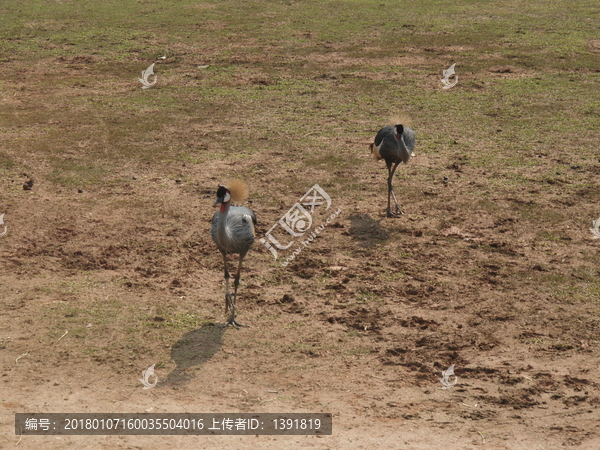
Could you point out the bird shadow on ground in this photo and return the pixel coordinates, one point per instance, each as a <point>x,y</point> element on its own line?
<point>192,350</point>
<point>367,231</point>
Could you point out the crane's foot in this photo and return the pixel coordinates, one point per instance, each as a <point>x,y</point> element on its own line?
<point>397,213</point>
<point>234,323</point>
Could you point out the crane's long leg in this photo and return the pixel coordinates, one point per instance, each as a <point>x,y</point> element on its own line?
<point>236,282</point>
<point>389,182</point>
<point>228,299</point>
<point>398,210</point>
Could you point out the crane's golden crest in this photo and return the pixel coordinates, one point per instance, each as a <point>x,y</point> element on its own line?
<point>400,119</point>
<point>238,190</point>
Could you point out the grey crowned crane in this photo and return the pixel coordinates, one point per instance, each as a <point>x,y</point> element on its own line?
<point>395,144</point>
<point>233,232</point>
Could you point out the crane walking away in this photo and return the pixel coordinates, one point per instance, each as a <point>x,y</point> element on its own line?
<point>233,232</point>
<point>394,144</point>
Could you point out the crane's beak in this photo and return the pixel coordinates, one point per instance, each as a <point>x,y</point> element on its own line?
<point>219,200</point>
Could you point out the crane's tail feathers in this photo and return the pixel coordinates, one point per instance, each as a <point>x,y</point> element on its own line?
<point>401,119</point>
<point>238,189</point>
<point>374,151</point>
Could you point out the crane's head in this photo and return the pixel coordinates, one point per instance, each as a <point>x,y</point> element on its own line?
<point>223,195</point>
<point>236,190</point>
<point>398,130</point>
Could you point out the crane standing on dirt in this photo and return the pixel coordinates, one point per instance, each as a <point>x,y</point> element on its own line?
<point>233,232</point>
<point>395,144</point>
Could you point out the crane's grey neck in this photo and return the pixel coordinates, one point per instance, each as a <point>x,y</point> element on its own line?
<point>223,212</point>
<point>406,153</point>
<point>401,143</point>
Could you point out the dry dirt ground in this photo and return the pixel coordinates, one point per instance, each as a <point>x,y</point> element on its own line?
<point>101,283</point>
<point>360,325</point>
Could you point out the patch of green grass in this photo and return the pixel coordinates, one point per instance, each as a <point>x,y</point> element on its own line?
<point>294,325</point>
<point>73,173</point>
<point>366,296</point>
<point>550,236</point>
<point>296,93</point>
<point>578,294</point>
<point>355,334</point>
<point>184,321</point>
<point>75,286</point>
<point>538,214</point>
<point>70,311</point>
<point>6,162</point>
<point>393,275</point>
<point>535,341</point>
